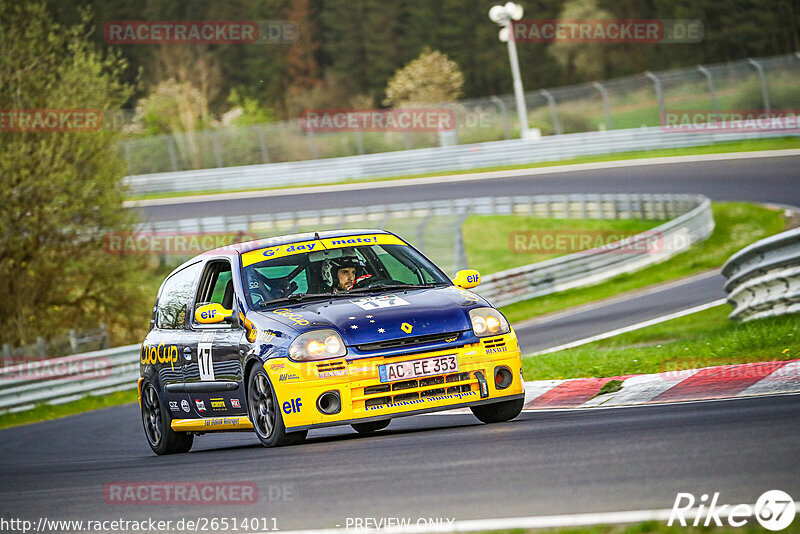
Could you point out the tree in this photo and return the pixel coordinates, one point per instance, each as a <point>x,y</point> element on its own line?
<point>429,79</point>
<point>62,191</point>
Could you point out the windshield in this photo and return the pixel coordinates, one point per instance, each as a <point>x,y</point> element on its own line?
<point>313,273</point>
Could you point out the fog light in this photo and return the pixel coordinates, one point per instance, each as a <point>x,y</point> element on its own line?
<point>329,403</point>
<point>502,377</point>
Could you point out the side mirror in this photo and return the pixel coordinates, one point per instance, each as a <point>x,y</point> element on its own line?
<point>467,278</point>
<point>212,314</point>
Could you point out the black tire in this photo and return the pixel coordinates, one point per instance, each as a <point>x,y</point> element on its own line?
<point>372,426</point>
<point>262,408</point>
<point>498,412</point>
<point>156,422</point>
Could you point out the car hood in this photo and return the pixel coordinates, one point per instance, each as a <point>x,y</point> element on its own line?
<point>369,318</point>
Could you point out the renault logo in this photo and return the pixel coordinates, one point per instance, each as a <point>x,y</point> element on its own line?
<point>405,327</point>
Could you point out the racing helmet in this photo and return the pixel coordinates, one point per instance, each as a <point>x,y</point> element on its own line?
<point>331,267</point>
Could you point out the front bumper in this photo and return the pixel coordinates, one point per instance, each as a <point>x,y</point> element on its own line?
<point>363,397</point>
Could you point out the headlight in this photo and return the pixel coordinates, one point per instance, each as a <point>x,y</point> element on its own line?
<point>488,322</point>
<point>317,345</point>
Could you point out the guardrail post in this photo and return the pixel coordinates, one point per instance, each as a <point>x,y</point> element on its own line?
<point>359,141</point>
<point>606,106</point>
<point>73,341</point>
<point>459,249</point>
<point>659,94</point>
<point>104,339</point>
<point>710,80</point>
<point>504,112</point>
<point>41,347</point>
<point>421,231</point>
<point>173,152</point>
<point>762,79</point>
<point>262,144</point>
<point>551,103</point>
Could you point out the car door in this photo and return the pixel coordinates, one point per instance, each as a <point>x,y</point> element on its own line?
<point>165,344</point>
<point>213,374</point>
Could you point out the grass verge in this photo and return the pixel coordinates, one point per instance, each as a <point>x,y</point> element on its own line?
<point>779,143</point>
<point>738,224</point>
<point>702,339</point>
<point>45,412</point>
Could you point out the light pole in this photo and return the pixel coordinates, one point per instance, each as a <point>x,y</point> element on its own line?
<point>503,17</point>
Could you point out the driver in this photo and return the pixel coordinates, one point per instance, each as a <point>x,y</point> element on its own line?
<point>340,274</point>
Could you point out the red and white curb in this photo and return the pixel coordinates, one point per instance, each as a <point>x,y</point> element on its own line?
<point>721,382</point>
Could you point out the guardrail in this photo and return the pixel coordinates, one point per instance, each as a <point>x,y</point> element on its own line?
<point>764,278</point>
<point>427,160</point>
<point>96,373</point>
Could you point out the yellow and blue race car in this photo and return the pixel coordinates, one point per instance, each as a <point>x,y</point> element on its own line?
<point>283,335</point>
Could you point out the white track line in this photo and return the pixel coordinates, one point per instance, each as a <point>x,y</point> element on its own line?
<point>559,169</point>
<point>531,522</point>
<point>632,327</point>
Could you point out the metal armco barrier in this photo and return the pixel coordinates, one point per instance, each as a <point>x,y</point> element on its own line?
<point>427,160</point>
<point>764,278</point>
<point>96,373</point>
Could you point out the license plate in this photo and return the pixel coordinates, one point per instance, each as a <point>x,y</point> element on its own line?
<point>392,372</point>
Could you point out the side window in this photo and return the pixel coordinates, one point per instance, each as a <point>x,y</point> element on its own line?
<point>216,285</point>
<point>174,299</point>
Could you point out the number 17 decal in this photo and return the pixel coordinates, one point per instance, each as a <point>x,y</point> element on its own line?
<point>205,361</point>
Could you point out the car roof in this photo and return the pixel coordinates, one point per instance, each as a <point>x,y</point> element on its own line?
<point>231,251</point>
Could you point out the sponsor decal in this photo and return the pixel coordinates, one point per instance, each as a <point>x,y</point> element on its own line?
<point>331,374</point>
<point>265,335</point>
<point>173,405</point>
<point>205,361</point>
<point>185,405</point>
<point>217,421</point>
<point>501,348</point>
<point>292,406</point>
<point>424,400</point>
<point>279,251</point>
<point>201,406</point>
<point>276,366</point>
<point>380,301</point>
<point>153,354</point>
<point>285,377</point>
<point>296,318</point>
<point>235,403</point>
<point>407,328</point>
<point>218,404</point>
<point>450,339</point>
<point>471,297</point>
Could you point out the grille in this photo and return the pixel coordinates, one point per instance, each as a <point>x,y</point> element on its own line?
<point>409,341</point>
<point>494,343</point>
<point>395,388</point>
<point>332,366</point>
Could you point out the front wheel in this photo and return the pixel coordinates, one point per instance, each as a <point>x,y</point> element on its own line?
<point>498,412</point>
<point>160,436</point>
<point>262,407</point>
<point>373,426</point>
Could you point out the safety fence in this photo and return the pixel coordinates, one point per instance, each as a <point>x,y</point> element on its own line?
<point>631,102</point>
<point>764,278</point>
<point>688,217</point>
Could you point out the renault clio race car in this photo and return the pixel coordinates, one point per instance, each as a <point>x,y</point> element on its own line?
<point>284,335</point>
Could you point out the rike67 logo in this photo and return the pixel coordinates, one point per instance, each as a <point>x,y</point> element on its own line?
<point>774,510</point>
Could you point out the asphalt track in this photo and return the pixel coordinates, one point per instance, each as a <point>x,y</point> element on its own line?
<point>765,179</point>
<point>435,466</point>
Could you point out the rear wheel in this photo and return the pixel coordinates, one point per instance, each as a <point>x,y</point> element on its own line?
<point>498,412</point>
<point>160,436</point>
<point>262,407</point>
<point>372,426</point>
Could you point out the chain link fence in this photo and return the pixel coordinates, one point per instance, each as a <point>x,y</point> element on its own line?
<point>622,103</point>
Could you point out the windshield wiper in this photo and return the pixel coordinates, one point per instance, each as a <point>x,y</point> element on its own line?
<point>298,298</point>
<point>393,287</point>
